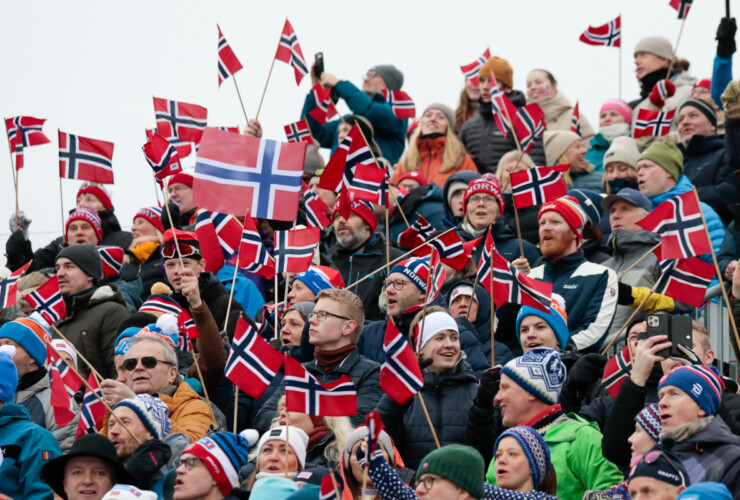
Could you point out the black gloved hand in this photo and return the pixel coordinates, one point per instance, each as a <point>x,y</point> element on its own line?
<point>147,459</point>
<point>360,455</point>
<point>424,363</point>
<point>490,380</point>
<point>726,37</point>
<point>585,372</point>
<point>175,211</point>
<point>17,250</point>
<point>624,295</point>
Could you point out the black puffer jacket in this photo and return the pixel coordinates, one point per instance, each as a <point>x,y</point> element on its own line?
<point>150,271</point>
<point>447,396</point>
<point>529,220</point>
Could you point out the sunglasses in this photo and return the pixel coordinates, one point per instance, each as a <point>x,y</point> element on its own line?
<point>651,457</point>
<point>147,362</point>
<point>170,250</point>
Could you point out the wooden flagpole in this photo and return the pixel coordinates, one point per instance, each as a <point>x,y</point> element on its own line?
<point>61,212</point>
<point>233,77</point>
<point>645,255</point>
<point>620,58</point>
<point>632,316</point>
<point>275,312</point>
<point>493,315</point>
<point>334,484</point>
<point>233,281</point>
<point>364,481</point>
<point>95,373</point>
<point>395,202</point>
<point>202,382</point>
<point>272,65</point>
<point>429,420</point>
<point>313,143</point>
<point>675,48</point>
<point>387,245</point>
<point>236,405</point>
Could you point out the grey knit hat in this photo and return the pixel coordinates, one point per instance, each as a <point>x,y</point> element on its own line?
<point>305,308</point>
<point>392,77</point>
<point>449,113</point>
<point>656,45</point>
<point>624,150</point>
<point>86,257</point>
<point>361,433</point>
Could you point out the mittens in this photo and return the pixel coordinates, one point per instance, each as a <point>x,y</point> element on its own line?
<point>662,91</point>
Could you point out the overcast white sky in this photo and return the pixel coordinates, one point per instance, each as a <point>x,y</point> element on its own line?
<point>91,67</point>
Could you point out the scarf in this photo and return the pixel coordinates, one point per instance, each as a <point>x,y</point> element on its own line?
<point>611,132</point>
<point>648,81</point>
<point>544,419</point>
<point>31,378</point>
<point>330,359</point>
<point>477,233</point>
<point>144,250</point>
<point>263,475</point>
<point>317,434</point>
<point>685,431</point>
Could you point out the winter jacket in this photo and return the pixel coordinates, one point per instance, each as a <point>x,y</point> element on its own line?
<point>586,180</point>
<point>506,241</point>
<point>730,249</point>
<point>529,220</point>
<point>215,296</point>
<point>447,397</point>
<point>246,292</point>
<point>91,324</point>
<point>212,354</point>
<point>113,235</point>
<point>708,167</point>
<point>559,114</point>
<point>485,143</point>
<point>463,176</point>
<point>431,156</point>
<point>390,132</point>
<point>150,271</point>
<point>36,400</point>
<point>575,452</point>
<point>26,448</point>
<point>598,146</point>
<point>590,293</point>
<point>364,373</point>
<point>425,201</point>
<point>355,264</point>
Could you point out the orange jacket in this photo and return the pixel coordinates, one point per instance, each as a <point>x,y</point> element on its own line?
<point>431,152</point>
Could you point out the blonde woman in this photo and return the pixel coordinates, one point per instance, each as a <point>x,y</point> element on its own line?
<point>563,147</point>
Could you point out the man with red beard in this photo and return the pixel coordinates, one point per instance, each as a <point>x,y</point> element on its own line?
<point>589,290</point>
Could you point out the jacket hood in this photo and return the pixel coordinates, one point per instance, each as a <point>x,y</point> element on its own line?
<point>109,221</point>
<point>683,186</point>
<point>624,241</point>
<point>553,105</point>
<point>465,176</point>
<point>12,412</point>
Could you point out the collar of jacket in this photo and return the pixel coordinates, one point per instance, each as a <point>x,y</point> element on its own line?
<point>702,144</point>
<point>432,142</point>
<point>342,368</point>
<point>374,245</point>
<point>31,378</point>
<point>79,300</point>
<point>567,263</point>
<point>648,81</point>
<point>624,240</point>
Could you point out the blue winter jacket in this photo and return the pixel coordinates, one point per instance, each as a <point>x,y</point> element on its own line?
<point>246,292</point>
<point>26,448</point>
<point>595,154</point>
<point>721,77</point>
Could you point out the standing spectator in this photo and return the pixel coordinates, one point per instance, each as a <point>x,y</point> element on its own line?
<point>563,147</point>
<point>142,258</point>
<point>615,117</point>
<point>468,105</point>
<point>542,88</point>
<point>180,190</point>
<point>96,196</point>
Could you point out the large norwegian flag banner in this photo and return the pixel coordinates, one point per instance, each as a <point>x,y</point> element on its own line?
<point>235,173</point>
<point>685,279</point>
<point>252,363</point>
<point>470,70</point>
<point>294,249</point>
<point>289,51</point>
<point>607,35</point>
<point>305,394</point>
<point>180,120</point>
<point>529,124</point>
<point>512,287</point>
<point>64,384</point>
<point>112,259</point>
<point>653,123</point>
<point>535,186</point>
<point>162,157</point>
<point>325,108</point>
<point>316,210</point>
<point>228,64</point>
<point>682,6</point>
<point>253,256</point>
<point>416,234</point>
<point>92,410</point>
<point>9,287</point>
<point>298,131</point>
<point>47,301</point>
<point>219,236</point>
<point>678,222</point>
<point>401,103</point>
<point>85,159</point>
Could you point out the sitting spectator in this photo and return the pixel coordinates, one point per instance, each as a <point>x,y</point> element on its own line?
<point>615,117</point>
<point>564,147</point>
<point>542,88</point>
<point>657,474</point>
<point>280,453</point>
<point>508,164</point>
<point>620,165</point>
<point>453,192</point>
<point>95,195</point>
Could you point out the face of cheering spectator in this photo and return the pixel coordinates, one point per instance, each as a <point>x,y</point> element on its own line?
<point>149,380</point>
<point>409,184</point>
<point>23,362</point>
<point>87,478</point>
<point>401,293</point>
<point>472,90</point>
<point>460,306</point>
<point>514,401</point>
<point>557,239</point>
<point>539,85</point>
<point>433,121</point>
<point>652,179</point>
<point>142,230</point>
<point>299,292</point>
<point>444,351</point>
<point>456,202</point>
<point>646,63</point>
<point>617,170</point>
<point>125,442</point>
<point>484,87</point>
<point>610,117</point>
<point>512,467</point>
<point>693,122</point>
<point>351,233</point>
<point>640,441</point>
<point>576,155</point>
<point>193,479</point>
<point>334,331</point>
<point>71,278</point>
<point>625,215</point>
<point>536,332</point>
<point>649,488</point>
<point>276,457</point>
<point>182,196</point>
<point>482,210</point>
<point>90,200</point>
<point>291,328</point>
<point>677,408</point>
<point>79,232</point>
<point>326,195</point>
<point>173,270</point>
<point>373,83</point>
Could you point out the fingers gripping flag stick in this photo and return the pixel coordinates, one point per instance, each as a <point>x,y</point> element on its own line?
<point>304,394</point>
<point>607,35</point>
<point>252,363</point>
<point>400,374</point>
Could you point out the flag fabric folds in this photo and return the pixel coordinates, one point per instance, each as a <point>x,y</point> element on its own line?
<point>653,123</point>
<point>219,236</point>
<point>47,301</point>
<point>685,279</point>
<point>470,70</point>
<point>340,169</point>
<point>85,159</point>
<point>535,186</point>
<point>438,276</point>
<point>24,131</point>
<point>294,249</point>
<point>401,104</point>
<point>529,124</point>
<point>253,255</point>
<point>180,120</point>
<point>369,184</point>
<point>112,258</point>
<point>9,287</point>
<point>324,109</point>
<point>607,35</point>
<point>183,148</point>
<point>316,210</point>
<point>289,51</point>
<point>374,425</point>
<point>416,234</point>
<point>252,363</point>
<point>162,157</point>
<point>298,131</point>
<point>513,287</point>
<point>64,384</point>
<point>92,411</point>
<point>305,394</point>
<point>228,64</point>
<point>616,371</point>
<point>450,248</point>
<point>575,121</point>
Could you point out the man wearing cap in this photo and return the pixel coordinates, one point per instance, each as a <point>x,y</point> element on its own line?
<point>390,131</point>
<point>659,473</point>
<point>589,290</point>
<point>95,195</point>
<point>180,189</point>
<point>705,159</point>
<point>24,446</point>
<point>34,388</point>
<point>93,312</point>
<point>359,251</point>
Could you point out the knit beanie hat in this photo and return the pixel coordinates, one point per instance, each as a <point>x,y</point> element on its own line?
<point>273,488</point>
<point>704,106</point>
<point>569,208</point>
<point>305,308</point>
<point>318,278</point>
<point>363,209</point>
<point>663,465</point>
<point>184,239</point>
<point>392,77</point>
<point>361,433</point>
<point>434,323</point>
<point>98,192</point>
<point>488,184</point>
<point>539,372</point>
<point>86,257</point>
<point>152,412</point>
<point>167,328</point>
<point>535,449</point>
<point>501,70</point>
<point>656,45</point>
<point>453,187</point>
<point>8,373</point>
<point>223,454</point>
<point>185,178</point>
<point>161,303</point>
<point>556,318</point>
<point>62,346</point>
<point>624,150</point>
<point>702,384</point>
<point>89,215</point>
<point>620,107</point>
<point>649,420</point>
<point>667,156</point>
<point>462,289</point>
<point>126,492</point>
<point>706,491</point>
<point>444,108</point>
<point>590,202</point>
<point>461,465</point>
<point>153,215</point>
<point>416,269</point>
<point>29,335</point>
<point>413,175</point>
<point>557,143</point>
<point>298,441</point>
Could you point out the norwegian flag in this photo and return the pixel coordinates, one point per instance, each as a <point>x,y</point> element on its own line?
<point>535,186</point>
<point>484,264</point>
<point>438,276</point>
<point>513,287</point>
<point>678,223</point>
<point>233,130</point>
<point>575,121</point>
<point>183,148</point>
<point>266,330</point>
<point>112,258</point>
<point>616,371</point>
<point>289,51</point>
<point>416,234</point>
<point>294,249</point>
<point>653,123</point>
<point>92,411</point>
<point>400,374</point>
<point>219,236</point>
<point>353,151</point>
<point>316,210</point>
<point>529,124</point>
<point>9,287</point>
<point>298,131</point>
<point>325,108</point>
<point>471,70</point>
<point>607,35</point>
<point>327,491</point>
<point>188,330</point>
<point>253,255</point>
<point>304,394</point>
<point>499,105</point>
<point>228,64</point>
<point>370,184</point>
<point>252,363</point>
<point>24,131</point>
<point>374,426</point>
<point>682,6</point>
<point>401,104</point>
<point>180,120</point>
<point>64,384</point>
<point>685,279</point>
<point>162,157</point>
<point>331,179</point>
<point>47,301</point>
<point>450,249</point>
<point>85,159</point>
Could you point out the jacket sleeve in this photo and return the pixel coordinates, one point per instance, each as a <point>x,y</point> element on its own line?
<point>326,135</point>
<point>474,352</point>
<point>387,481</point>
<point>620,422</point>
<point>599,314</point>
<point>721,77</point>
<point>193,420</point>
<point>380,114</point>
<point>368,393</point>
<point>32,462</point>
<point>65,436</point>
<point>588,463</point>
<point>391,413</point>
<point>212,358</point>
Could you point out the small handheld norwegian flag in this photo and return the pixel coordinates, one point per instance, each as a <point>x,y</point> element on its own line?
<point>401,104</point>
<point>9,287</point>
<point>305,394</point>
<point>92,411</point>
<point>535,186</point>
<point>228,64</point>
<point>85,159</point>
<point>682,6</point>
<point>417,234</point>
<point>253,256</point>
<point>450,248</point>
<point>289,51</point>
<point>325,108</point>
<point>162,157</point>
<point>64,384</point>
<point>316,209</point>
<point>400,374</point>
<point>180,120</point>
<point>252,363</point>
<point>374,428</point>
<point>470,70</point>
<point>48,302</point>
<point>653,123</point>
<point>608,35</point>
<point>298,131</point>
<point>24,131</point>
<point>685,279</point>
<point>529,125</point>
<point>112,259</point>
<point>294,249</point>
<point>575,121</point>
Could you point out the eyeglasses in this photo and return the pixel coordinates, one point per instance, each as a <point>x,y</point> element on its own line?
<point>170,250</point>
<point>322,315</point>
<point>177,187</point>
<point>188,463</point>
<point>651,457</point>
<point>397,284</point>
<point>427,481</point>
<point>147,362</point>
<point>487,200</point>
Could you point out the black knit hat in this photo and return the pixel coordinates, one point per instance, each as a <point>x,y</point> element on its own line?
<point>86,257</point>
<point>706,108</point>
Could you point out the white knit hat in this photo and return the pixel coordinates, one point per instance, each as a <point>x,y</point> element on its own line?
<point>126,492</point>
<point>624,150</point>
<point>433,324</point>
<point>298,441</point>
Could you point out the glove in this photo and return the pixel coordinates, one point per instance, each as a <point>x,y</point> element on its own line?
<point>488,387</point>
<point>688,357</point>
<point>731,100</point>
<point>175,211</point>
<point>624,294</point>
<point>662,91</point>
<point>360,455</point>
<point>726,37</point>
<point>424,363</point>
<point>585,372</point>
<point>147,459</point>
<point>17,250</point>
<point>23,223</point>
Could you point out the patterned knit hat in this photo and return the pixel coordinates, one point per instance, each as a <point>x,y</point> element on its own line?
<point>534,447</point>
<point>166,328</point>
<point>318,278</point>
<point>702,383</point>
<point>462,465</point>
<point>223,454</point>
<point>8,374</point>
<point>649,420</point>
<point>160,303</point>
<point>556,318</point>
<point>29,335</point>
<point>98,192</point>
<point>364,211</point>
<point>153,215</point>
<point>488,184</point>
<point>416,269</point>
<point>126,492</point>
<point>152,412</point>
<point>570,210</point>
<point>89,215</point>
<point>539,372</point>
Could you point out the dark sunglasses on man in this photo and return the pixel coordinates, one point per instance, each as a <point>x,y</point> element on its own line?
<point>148,362</point>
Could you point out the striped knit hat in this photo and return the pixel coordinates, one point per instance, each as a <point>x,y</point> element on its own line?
<point>152,412</point>
<point>704,106</point>
<point>570,210</point>
<point>416,269</point>
<point>29,335</point>
<point>539,372</point>
<point>223,454</point>
<point>153,215</point>
<point>488,184</point>
<point>702,383</point>
<point>318,278</point>
<point>534,447</point>
<point>89,215</point>
<point>649,420</point>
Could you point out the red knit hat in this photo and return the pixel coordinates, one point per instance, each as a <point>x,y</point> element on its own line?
<point>363,209</point>
<point>570,210</point>
<point>153,215</point>
<point>182,178</point>
<point>97,192</point>
<point>414,175</point>
<point>87,214</point>
<point>486,184</point>
<point>705,84</point>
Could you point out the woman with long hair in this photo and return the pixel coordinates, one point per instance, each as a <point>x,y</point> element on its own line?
<point>468,105</point>
<point>542,88</point>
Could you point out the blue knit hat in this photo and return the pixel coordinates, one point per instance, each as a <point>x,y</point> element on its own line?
<point>539,372</point>
<point>708,490</point>
<point>702,383</point>
<point>30,335</point>
<point>556,318</point>
<point>126,334</point>
<point>318,278</point>
<point>416,269</point>
<point>649,420</point>
<point>223,454</point>
<point>534,447</point>
<point>152,412</point>
<point>8,373</point>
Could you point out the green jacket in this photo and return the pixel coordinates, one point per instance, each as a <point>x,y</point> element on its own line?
<point>575,452</point>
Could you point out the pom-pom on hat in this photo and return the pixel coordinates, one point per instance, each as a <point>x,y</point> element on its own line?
<point>161,301</point>
<point>165,328</point>
<point>153,215</point>
<point>152,412</point>
<point>364,211</point>
<point>223,454</point>
<point>701,383</point>
<point>556,318</point>
<point>416,269</point>
<point>8,373</point>
<point>539,372</point>
<point>487,184</point>
<point>89,215</point>
<point>318,278</point>
<point>97,192</point>
<point>649,420</point>
<point>30,335</point>
<point>570,210</point>
<point>535,449</point>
